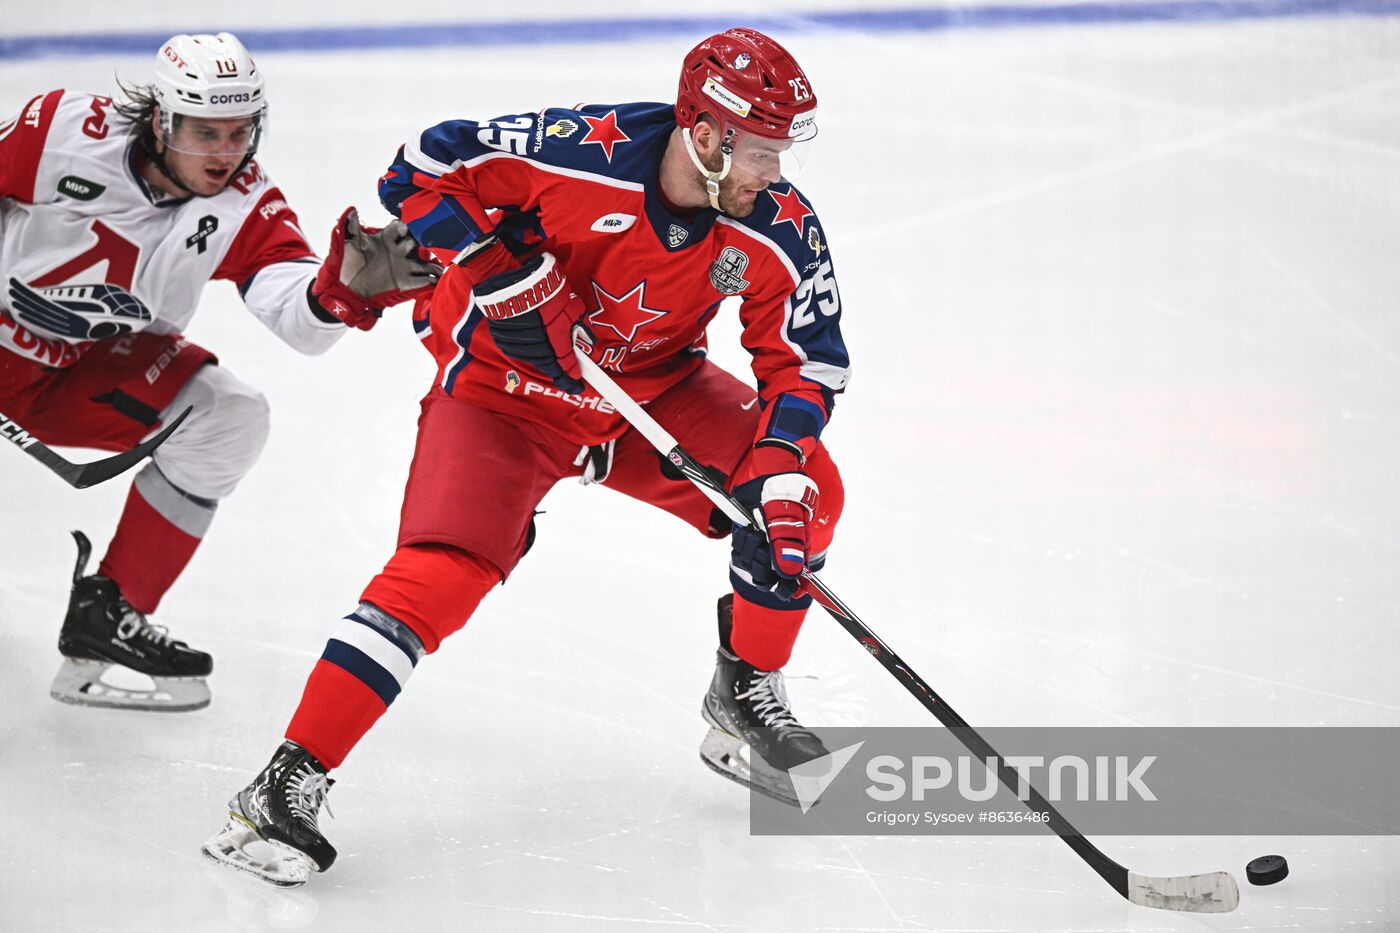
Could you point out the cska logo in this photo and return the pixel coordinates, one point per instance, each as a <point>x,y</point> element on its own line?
<point>623,315</point>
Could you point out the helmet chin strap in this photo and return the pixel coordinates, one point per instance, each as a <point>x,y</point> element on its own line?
<point>712,179</point>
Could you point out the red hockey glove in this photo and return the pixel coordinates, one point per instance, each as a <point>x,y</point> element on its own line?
<point>369,269</point>
<point>782,505</point>
<point>531,311</point>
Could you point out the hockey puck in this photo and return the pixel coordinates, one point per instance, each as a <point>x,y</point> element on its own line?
<point>1267,869</point>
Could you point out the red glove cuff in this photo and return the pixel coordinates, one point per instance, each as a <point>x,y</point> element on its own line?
<point>491,259</point>
<point>771,458</point>
<point>334,297</point>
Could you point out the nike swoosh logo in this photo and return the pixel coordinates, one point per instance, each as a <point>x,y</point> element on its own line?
<point>749,405</point>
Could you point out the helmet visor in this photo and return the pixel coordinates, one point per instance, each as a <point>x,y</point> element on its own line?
<point>231,137</point>
<point>770,158</point>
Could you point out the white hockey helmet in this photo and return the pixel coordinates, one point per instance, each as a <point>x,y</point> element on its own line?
<point>215,78</point>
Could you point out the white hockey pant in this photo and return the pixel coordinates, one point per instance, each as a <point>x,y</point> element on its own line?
<point>207,456</point>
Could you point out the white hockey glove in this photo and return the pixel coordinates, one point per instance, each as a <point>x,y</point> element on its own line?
<point>776,549</point>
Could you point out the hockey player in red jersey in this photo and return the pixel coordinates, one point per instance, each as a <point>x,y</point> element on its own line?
<point>113,216</point>
<point>636,221</point>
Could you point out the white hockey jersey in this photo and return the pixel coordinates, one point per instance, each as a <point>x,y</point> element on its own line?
<point>74,211</point>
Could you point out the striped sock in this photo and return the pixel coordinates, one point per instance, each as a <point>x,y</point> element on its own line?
<point>364,667</point>
<point>160,529</point>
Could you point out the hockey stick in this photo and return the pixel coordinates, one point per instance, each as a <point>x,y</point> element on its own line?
<point>1213,892</point>
<point>83,475</point>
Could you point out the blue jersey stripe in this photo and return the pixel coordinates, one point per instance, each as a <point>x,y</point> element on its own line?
<point>795,419</point>
<point>363,668</point>
<point>464,340</point>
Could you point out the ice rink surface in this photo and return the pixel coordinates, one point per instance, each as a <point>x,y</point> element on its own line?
<point>1120,449</point>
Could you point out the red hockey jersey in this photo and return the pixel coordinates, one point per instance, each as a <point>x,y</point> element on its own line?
<point>583,184</point>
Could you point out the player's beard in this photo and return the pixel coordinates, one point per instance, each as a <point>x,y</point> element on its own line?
<point>731,199</point>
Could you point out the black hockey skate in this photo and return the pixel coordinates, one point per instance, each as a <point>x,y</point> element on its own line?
<point>748,708</point>
<point>280,808</point>
<point>102,631</point>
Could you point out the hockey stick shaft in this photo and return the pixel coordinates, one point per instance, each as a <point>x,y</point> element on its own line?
<point>1116,875</point>
<point>83,475</point>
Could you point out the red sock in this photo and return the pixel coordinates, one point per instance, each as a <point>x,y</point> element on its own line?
<point>764,637</point>
<point>146,554</point>
<point>336,710</point>
<point>427,592</point>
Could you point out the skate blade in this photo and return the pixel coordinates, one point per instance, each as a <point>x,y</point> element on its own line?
<point>282,866</point>
<point>723,754</point>
<point>81,683</point>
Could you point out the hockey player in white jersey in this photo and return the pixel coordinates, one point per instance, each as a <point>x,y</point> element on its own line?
<point>113,216</point>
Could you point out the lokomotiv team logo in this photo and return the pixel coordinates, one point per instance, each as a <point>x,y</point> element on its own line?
<point>727,272</point>
<point>79,312</point>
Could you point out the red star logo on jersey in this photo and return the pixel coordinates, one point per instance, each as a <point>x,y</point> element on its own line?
<point>790,209</point>
<point>604,131</point>
<point>623,316</point>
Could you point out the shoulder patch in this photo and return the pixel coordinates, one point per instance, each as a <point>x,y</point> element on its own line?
<point>79,188</point>
<point>605,132</point>
<point>562,129</point>
<point>727,272</point>
<point>790,209</point>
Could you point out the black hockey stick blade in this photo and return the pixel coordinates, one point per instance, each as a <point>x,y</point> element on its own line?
<point>83,475</point>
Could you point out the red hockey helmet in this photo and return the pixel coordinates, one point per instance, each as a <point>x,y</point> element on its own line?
<point>745,79</point>
<point>760,99</point>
